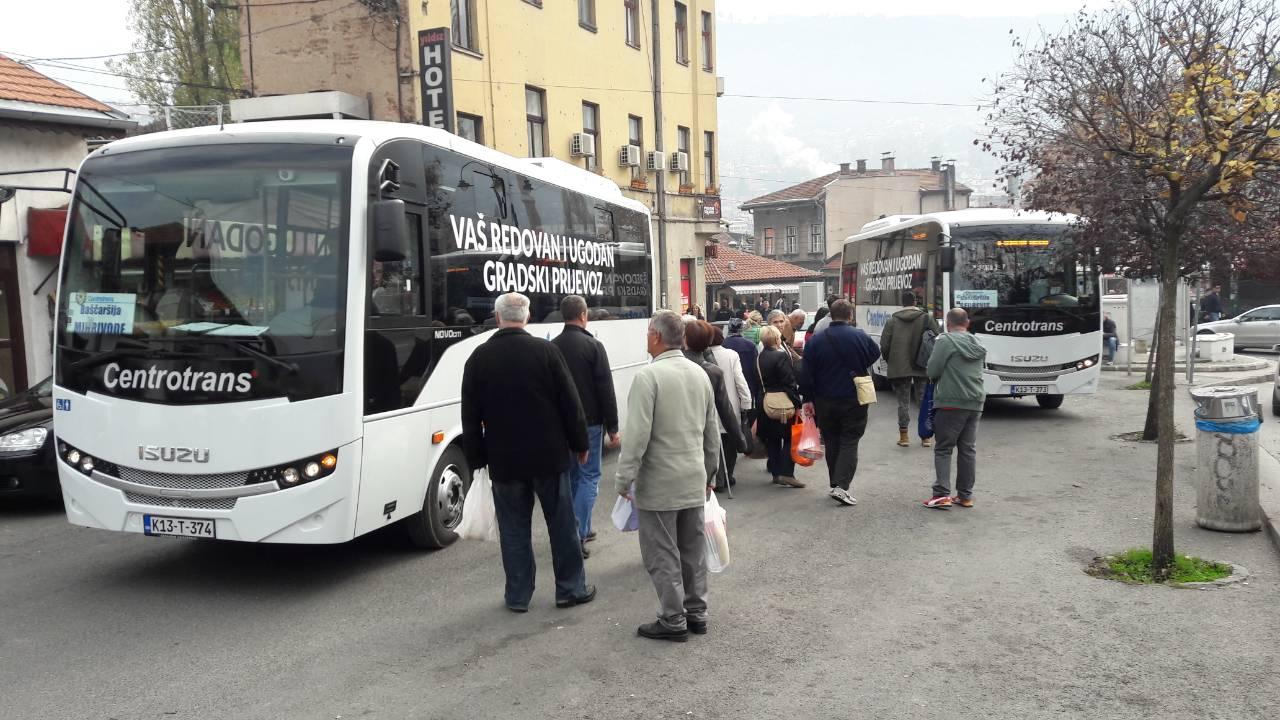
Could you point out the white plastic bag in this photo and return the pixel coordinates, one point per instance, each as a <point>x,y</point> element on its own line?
<point>625,517</point>
<point>479,517</point>
<point>713,517</point>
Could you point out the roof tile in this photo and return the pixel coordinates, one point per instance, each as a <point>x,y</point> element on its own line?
<point>930,181</point>
<point>21,83</point>
<point>748,267</point>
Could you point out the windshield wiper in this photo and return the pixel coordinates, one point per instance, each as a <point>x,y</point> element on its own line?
<point>134,350</point>
<point>231,341</point>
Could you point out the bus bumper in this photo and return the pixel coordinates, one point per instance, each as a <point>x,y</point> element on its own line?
<point>318,512</point>
<point>1075,383</point>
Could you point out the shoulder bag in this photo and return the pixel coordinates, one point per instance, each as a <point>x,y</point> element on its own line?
<point>777,405</point>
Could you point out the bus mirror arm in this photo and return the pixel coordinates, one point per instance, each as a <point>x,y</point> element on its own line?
<point>390,230</point>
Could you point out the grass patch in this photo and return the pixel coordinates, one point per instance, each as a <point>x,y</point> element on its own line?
<point>1140,385</point>
<point>1134,567</point>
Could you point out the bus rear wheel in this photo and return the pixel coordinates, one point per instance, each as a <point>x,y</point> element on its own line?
<point>1049,402</point>
<point>433,526</point>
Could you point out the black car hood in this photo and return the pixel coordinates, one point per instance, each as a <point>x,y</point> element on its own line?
<point>24,411</point>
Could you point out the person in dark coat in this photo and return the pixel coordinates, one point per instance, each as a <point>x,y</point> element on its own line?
<point>747,353</point>
<point>522,419</point>
<point>593,376</point>
<point>697,337</point>
<point>777,375</point>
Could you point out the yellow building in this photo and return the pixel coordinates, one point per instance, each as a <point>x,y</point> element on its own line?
<point>531,79</point>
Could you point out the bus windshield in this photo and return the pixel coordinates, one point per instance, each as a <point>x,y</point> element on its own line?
<point>1020,266</point>
<point>242,242</point>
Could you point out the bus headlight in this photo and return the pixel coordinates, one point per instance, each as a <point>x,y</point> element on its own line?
<point>297,472</point>
<point>289,476</point>
<point>23,440</point>
<point>1087,363</point>
<point>76,459</point>
<point>311,470</point>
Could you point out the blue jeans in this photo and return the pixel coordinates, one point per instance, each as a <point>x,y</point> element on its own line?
<point>585,480</point>
<point>514,505</point>
<point>1112,345</point>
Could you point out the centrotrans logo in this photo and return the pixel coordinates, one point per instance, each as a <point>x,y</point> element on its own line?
<point>1032,326</point>
<point>188,380</point>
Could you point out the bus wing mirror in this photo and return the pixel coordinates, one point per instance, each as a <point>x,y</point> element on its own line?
<point>946,258</point>
<point>390,231</point>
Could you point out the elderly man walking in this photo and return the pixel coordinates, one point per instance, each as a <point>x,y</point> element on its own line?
<point>521,417</point>
<point>958,397</point>
<point>671,454</point>
<point>589,366</point>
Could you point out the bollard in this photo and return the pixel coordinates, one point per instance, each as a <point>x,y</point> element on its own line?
<point>1227,424</point>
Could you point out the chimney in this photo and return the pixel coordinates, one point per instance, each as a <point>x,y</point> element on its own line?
<point>862,167</point>
<point>949,184</point>
<point>844,168</point>
<point>935,163</point>
<point>886,160</point>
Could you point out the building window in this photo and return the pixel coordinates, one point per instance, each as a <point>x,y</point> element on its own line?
<point>682,145</point>
<point>471,127</point>
<point>767,244</point>
<point>587,14</point>
<point>632,9</point>
<point>707,53</point>
<point>709,160</point>
<point>816,246</point>
<point>591,126</point>
<point>464,24</point>
<point>791,246</point>
<point>635,136</point>
<point>535,112</point>
<point>682,34</point>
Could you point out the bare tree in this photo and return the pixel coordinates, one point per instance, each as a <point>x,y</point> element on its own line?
<point>1159,122</point>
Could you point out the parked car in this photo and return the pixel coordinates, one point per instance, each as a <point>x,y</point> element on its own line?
<point>27,466</point>
<point>1256,328</point>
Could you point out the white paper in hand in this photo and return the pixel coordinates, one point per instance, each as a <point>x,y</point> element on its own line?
<point>625,517</point>
<point>479,517</point>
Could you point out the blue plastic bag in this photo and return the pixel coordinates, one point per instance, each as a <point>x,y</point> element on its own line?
<point>924,426</point>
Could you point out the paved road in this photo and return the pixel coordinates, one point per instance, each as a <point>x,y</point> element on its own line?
<point>886,610</point>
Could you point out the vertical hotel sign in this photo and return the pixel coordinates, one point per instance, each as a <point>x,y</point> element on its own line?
<point>434,58</point>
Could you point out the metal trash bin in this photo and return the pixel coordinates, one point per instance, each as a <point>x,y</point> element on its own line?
<point>1227,421</point>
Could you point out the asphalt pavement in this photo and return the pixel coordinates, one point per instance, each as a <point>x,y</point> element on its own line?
<point>884,610</point>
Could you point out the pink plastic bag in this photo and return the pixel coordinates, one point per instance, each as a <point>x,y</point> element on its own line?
<point>810,444</point>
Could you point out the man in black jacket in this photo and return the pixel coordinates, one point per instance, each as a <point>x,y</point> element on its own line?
<point>589,366</point>
<point>521,417</point>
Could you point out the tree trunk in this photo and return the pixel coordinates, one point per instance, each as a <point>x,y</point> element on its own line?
<point>1151,429</point>
<point>1162,532</point>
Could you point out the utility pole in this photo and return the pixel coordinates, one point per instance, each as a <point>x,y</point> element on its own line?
<point>657,141</point>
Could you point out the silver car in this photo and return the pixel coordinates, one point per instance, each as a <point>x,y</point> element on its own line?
<point>1256,328</point>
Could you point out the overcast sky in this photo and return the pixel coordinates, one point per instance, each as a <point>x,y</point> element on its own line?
<point>933,51</point>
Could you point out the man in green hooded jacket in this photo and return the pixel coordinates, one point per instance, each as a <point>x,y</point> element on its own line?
<point>955,367</point>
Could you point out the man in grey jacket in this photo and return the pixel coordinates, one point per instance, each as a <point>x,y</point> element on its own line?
<point>958,397</point>
<point>671,454</point>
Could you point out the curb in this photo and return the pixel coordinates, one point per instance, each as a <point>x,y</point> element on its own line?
<point>1269,495</point>
<point>1246,380</point>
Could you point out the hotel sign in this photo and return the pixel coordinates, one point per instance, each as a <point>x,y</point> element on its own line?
<point>435,55</point>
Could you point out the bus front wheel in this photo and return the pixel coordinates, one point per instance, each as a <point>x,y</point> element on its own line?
<point>1049,402</point>
<point>433,526</point>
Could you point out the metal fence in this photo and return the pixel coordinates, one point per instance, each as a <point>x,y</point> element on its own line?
<point>177,117</point>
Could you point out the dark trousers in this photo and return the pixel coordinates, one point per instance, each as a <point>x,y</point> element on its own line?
<point>955,430</point>
<point>730,458</point>
<point>514,505</point>
<point>777,441</point>
<point>842,421</point>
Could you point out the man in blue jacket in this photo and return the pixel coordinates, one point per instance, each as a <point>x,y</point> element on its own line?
<point>832,359</point>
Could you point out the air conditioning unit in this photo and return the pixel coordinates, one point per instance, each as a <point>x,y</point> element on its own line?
<point>655,161</point>
<point>582,145</point>
<point>680,162</point>
<point>629,156</point>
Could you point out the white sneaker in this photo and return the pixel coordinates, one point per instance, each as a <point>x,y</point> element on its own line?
<point>841,495</point>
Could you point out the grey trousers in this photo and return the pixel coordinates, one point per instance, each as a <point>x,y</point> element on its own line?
<point>955,429</point>
<point>907,389</point>
<point>673,548</point>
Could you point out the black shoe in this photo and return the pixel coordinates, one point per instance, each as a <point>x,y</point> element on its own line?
<point>657,631</point>
<point>580,600</point>
<point>590,536</point>
<point>518,608</point>
<point>697,627</point>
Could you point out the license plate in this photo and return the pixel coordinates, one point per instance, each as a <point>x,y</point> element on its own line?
<point>1030,389</point>
<point>179,527</point>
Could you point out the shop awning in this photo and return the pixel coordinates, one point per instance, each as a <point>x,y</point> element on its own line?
<point>767,288</point>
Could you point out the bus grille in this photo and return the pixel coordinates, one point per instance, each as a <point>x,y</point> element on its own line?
<point>188,503</point>
<point>182,482</point>
<point>1032,369</point>
<point>1028,378</point>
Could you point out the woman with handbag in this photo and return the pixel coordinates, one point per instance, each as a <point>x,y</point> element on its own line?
<point>781,401</point>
